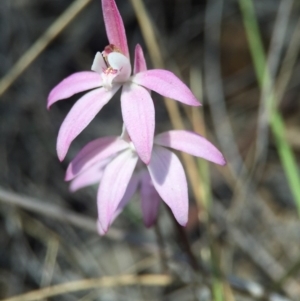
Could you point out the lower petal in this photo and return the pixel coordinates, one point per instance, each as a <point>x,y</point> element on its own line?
<point>113,186</point>
<point>168,178</point>
<point>81,114</point>
<point>131,189</point>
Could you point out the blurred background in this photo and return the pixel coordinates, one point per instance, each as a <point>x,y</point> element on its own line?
<point>241,59</point>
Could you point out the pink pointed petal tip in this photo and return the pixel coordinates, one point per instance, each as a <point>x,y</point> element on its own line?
<point>168,178</point>
<point>139,60</point>
<point>113,185</point>
<point>81,114</point>
<point>114,26</point>
<point>191,143</point>
<point>139,119</point>
<point>99,150</point>
<point>100,230</point>
<point>166,84</point>
<point>75,83</point>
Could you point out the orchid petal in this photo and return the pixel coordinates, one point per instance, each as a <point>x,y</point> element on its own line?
<point>139,60</point>
<point>169,180</point>
<point>167,84</point>
<point>113,185</point>
<point>118,61</point>
<point>139,118</point>
<point>89,177</point>
<point>114,25</point>
<point>192,144</point>
<point>99,64</point>
<point>95,151</point>
<point>81,114</point>
<point>150,200</point>
<point>75,83</point>
<point>130,191</point>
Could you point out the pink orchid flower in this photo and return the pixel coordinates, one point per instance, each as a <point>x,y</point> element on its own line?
<point>140,181</point>
<point>120,177</point>
<point>111,71</point>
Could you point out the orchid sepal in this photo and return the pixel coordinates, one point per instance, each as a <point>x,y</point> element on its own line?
<point>166,84</point>
<point>73,84</point>
<point>114,26</point>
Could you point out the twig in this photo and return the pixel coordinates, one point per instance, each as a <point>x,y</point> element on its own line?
<point>50,261</point>
<point>39,46</point>
<point>104,282</point>
<point>260,257</point>
<point>53,211</point>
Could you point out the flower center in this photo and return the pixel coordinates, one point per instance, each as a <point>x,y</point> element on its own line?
<point>115,66</point>
<point>107,50</point>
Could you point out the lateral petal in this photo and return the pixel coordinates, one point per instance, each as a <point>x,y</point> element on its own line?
<point>166,84</point>
<point>113,185</point>
<point>81,114</point>
<point>89,177</point>
<point>150,200</point>
<point>75,83</point>
<point>168,178</point>
<point>114,25</point>
<point>139,118</point>
<point>191,143</point>
<point>95,151</point>
<point>139,60</point>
